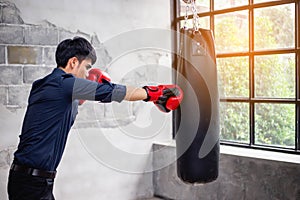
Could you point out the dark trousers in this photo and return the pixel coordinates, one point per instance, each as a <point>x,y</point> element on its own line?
<point>27,187</point>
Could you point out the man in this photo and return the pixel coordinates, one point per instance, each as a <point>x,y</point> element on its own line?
<point>52,109</point>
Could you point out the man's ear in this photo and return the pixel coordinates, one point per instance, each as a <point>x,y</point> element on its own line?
<point>73,62</point>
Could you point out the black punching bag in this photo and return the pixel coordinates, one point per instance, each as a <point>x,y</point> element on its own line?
<point>197,121</point>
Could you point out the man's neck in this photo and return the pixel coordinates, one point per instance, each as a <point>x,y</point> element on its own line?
<point>64,69</point>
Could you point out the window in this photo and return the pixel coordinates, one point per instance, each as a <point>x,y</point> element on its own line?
<point>258,61</point>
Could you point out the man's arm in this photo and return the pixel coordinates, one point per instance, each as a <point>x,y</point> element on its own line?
<point>135,94</point>
<point>165,97</point>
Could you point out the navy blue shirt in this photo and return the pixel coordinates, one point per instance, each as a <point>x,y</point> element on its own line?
<point>51,111</point>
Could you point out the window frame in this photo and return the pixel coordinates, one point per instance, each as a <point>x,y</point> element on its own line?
<point>251,53</point>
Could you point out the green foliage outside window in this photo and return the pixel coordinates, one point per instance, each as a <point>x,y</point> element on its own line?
<point>274,76</point>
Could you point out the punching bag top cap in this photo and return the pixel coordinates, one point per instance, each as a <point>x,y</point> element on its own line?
<point>205,36</point>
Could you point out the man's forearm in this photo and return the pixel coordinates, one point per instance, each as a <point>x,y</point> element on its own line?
<point>135,94</point>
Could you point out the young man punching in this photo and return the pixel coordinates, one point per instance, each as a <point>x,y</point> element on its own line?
<point>52,109</point>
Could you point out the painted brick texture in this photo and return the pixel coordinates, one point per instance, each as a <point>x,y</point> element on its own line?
<point>11,34</point>
<point>24,55</point>
<point>27,53</point>
<point>2,54</point>
<point>11,75</point>
<point>38,35</point>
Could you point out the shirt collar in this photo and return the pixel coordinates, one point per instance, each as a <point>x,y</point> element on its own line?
<point>58,71</point>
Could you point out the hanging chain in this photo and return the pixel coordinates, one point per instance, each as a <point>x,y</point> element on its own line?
<point>195,14</point>
<point>186,17</point>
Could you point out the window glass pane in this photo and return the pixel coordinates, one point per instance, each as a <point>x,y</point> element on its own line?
<point>275,76</point>
<point>229,4</point>
<point>275,124</point>
<point>202,6</point>
<point>203,23</point>
<point>274,27</point>
<point>233,76</point>
<point>231,32</point>
<point>234,121</point>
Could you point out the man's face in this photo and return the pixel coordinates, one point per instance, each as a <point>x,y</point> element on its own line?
<point>81,71</point>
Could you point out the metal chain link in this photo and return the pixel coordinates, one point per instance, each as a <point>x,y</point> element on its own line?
<point>196,23</point>
<point>195,16</point>
<point>186,17</point>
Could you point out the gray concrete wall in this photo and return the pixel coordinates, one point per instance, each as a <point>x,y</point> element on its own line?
<point>250,176</point>
<point>108,154</point>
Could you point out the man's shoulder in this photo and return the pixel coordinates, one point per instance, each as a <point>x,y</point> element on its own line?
<point>68,76</point>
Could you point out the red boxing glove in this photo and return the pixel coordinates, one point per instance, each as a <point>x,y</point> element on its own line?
<point>165,97</point>
<point>98,76</point>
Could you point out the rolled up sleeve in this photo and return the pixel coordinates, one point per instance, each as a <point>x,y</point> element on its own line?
<point>118,93</point>
<point>103,92</point>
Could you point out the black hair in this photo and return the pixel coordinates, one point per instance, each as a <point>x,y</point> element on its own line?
<point>77,47</point>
